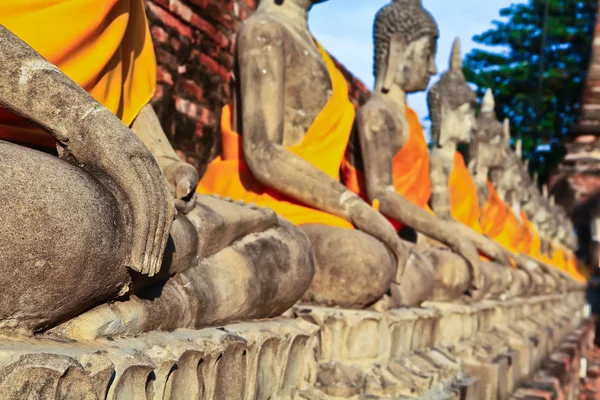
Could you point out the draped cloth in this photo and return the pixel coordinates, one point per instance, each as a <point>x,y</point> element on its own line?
<point>410,169</point>
<point>464,201</point>
<point>103,45</point>
<point>323,146</point>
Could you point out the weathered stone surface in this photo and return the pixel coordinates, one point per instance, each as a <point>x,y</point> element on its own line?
<point>259,360</point>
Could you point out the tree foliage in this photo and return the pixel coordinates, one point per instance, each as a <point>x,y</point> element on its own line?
<point>511,69</point>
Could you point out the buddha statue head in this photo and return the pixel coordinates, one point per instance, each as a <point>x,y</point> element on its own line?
<point>452,104</point>
<point>405,37</point>
<point>489,146</point>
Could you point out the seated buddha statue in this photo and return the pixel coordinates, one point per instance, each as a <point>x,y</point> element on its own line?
<point>284,139</point>
<point>454,194</point>
<point>88,208</point>
<point>391,165</point>
<point>511,181</point>
<point>489,150</point>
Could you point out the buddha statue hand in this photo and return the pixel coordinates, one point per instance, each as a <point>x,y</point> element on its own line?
<point>182,179</point>
<point>468,251</point>
<point>102,143</point>
<point>370,221</point>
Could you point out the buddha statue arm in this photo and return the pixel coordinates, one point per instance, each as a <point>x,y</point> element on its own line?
<point>90,136</point>
<point>262,83</point>
<point>377,158</point>
<point>440,169</point>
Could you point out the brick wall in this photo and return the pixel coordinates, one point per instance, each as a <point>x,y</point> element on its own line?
<point>194,42</point>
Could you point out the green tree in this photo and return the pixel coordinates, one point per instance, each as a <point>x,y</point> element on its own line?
<point>511,69</point>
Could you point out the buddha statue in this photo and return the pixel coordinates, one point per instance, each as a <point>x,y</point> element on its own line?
<point>391,166</point>
<point>284,138</point>
<point>454,192</point>
<point>99,222</point>
<point>510,179</point>
<point>489,149</point>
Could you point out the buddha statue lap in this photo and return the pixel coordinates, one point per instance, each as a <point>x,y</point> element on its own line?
<point>98,222</point>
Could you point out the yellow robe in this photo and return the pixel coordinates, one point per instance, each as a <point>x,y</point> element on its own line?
<point>103,45</point>
<point>323,146</point>
<point>464,201</point>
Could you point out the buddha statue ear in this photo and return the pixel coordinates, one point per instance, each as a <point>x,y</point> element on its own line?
<point>394,57</point>
<point>519,148</point>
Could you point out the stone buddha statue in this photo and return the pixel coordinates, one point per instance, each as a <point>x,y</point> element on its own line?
<point>455,196</point>
<point>284,138</point>
<point>393,151</point>
<point>500,220</point>
<point>510,179</point>
<point>99,222</point>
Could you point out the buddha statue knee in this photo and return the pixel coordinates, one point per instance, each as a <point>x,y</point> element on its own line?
<point>61,241</point>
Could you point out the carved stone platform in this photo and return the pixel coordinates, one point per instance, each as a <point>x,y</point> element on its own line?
<point>273,359</point>
<point>439,351</point>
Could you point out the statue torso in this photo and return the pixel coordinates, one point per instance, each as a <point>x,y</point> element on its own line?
<point>307,83</point>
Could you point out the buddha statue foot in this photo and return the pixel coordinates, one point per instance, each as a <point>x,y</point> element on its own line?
<point>260,275</point>
<point>270,359</point>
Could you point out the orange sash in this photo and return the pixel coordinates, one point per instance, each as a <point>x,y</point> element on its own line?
<point>103,45</point>
<point>493,214</point>
<point>410,169</point>
<point>464,202</point>
<point>525,245</point>
<point>323,146</point>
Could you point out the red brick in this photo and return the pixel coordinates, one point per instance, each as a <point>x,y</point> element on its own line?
<point>199,131</point>
<point>170,21</point>
<point>186,107</point>
<point>164,3</point>
<point>159,34</point>
<point>186,13</point>
<point>192,89</point>
<point>163,76</point>
<point>199,3</point>
<point>158,93</point>
<point>175,44</point>
<point>211,64</point>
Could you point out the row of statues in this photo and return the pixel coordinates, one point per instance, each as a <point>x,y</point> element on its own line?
<point>114,235</point>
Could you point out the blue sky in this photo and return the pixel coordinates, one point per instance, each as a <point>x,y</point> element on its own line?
<point>344,27</point>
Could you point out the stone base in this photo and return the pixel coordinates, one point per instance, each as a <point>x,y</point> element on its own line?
<point>273,359</point>
<point>439,351</point>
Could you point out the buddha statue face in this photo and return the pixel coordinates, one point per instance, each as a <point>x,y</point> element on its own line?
<point>405,37</point>
<point>490,144</point>
<point>452,104</point>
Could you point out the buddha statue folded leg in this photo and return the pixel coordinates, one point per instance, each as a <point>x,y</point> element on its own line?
<point>260,275</point>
